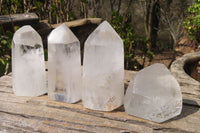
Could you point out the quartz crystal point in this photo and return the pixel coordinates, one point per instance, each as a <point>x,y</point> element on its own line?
<point>64,66</point>
<point>28,67</point>
<point>153,94</point>
<point>103,69</point>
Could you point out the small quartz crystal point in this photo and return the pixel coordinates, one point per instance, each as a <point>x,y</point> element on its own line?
<point>153,94</point>
<point>103,69</point>
<point>28,66</point>
<point>64,66</point>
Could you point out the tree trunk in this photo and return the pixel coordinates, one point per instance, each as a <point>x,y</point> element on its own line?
<point>128,7</point>
<point>24,5</point>
<point>93,8</point>
<point>112,2</point>
<point>57,18</point>
<point>50,19</point>
<point>85,12</point>
<point>119,6</point>
<point>152,22</point>
<point>1,6</point>
<point>67,9</point>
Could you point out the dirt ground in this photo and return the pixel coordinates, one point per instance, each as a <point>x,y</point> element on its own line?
<point>166,57</point>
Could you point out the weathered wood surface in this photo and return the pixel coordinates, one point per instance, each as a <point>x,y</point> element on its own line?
<point>80,22</point>
<point>39,114</point>
<point>19,17</point>
<point>19,20</point>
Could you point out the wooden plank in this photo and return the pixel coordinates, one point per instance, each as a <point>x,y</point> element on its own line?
<point>19,18</point>
<point>39,114</point>
<point>80,22</point>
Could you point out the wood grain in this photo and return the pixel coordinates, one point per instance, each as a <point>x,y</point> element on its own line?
<point>80,22</point>
<point>39,114</point>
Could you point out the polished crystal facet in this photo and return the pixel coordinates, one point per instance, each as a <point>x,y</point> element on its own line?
<point>28,67</point>
<point>64,65</point>
<point>153,94</point>
<point>103,69</point>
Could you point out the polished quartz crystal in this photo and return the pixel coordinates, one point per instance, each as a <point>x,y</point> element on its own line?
<point>28,67</point>
<point>103,69</point>
<point>153,94</point>
<point>64,66</point>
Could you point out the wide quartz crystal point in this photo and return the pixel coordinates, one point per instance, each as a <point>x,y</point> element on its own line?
<point>153,94</point>
<point>103,69</point>
<point>64,66</point>
<point>28,66</point>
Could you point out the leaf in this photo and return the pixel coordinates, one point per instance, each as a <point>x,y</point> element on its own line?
<point>16,28</point>
<point>9,34</point>
<point>4,42</point>
<point>9,45</point>
<point>2,61</point>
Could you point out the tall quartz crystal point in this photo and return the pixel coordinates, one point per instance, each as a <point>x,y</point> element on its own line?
<point>64,66</point>
<point>103,69</point>
<point>28,67</point>
<point>153,94</point>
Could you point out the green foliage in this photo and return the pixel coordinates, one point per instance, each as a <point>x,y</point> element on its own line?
<point>5,51</point>
<point>123,27</point>
<point>150,56</point>
<point>164,45</point>
<point>192,21</point>
<point>55,11</point>
<point>126,33</point>
<point>11,7</point>
<point>142,44</point>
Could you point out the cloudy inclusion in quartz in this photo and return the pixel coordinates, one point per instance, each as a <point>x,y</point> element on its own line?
<point>64,65</point>
<point>28,68</point>
<point>103,69</point>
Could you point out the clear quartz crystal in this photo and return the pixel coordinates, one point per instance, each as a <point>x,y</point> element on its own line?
<point>64,66</point>
<point>103,69</point>
<point>153,94</point>
<point>28,67</point>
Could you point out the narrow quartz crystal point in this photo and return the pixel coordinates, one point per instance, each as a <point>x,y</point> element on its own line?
<point>103,69</point>
<point>28,66</point>
<point>153,94</point>
<point>64,65</point>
